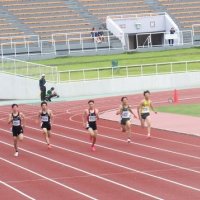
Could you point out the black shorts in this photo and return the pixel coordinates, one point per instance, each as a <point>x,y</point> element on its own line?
<point>145,115</point>
<point>92,125</point>
<point>46,125</point>
<point>124,121</point>
<point>17,130</point>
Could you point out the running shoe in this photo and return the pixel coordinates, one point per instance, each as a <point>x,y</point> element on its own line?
<point>93,148</point>
<point>49,146</point>
<point>129,140</point>
<point>148,136</point>
<point>16,154</point>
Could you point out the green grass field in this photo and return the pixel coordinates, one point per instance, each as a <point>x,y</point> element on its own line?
<point>89,62</point>
<point>188,109</point>
<point>85,62</point>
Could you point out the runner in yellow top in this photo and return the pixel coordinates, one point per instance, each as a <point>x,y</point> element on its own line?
<point>144,111</point>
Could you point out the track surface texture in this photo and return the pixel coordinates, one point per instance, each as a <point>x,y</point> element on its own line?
<point>167,166</point>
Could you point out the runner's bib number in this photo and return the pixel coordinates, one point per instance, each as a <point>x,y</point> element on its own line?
<point>16,123</point>
<point>145,110</point>
<point>45,118</point>
<point>92,118</point>
<point>125,114</point>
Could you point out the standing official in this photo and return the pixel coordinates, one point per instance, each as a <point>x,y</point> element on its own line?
<point>42,83</point>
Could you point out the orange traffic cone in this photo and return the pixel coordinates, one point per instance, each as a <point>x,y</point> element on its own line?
<point>175,96</point>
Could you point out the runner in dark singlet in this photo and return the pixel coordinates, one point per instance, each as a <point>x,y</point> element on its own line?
<point>90,116</point>
<point>125,112</point>
<point>46,116</point>
<point>17,120</point>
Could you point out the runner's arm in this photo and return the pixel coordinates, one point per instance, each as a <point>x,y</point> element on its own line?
<point>23,119</point>
<point>84,117</point>
<point>119,111</point>
<point>139,108</point>
<point>51,116</point>
<point>131,111</point>
<point>97,113</point>
<point>38,118</point>
<point>9,118</point>
<point>152,108</point>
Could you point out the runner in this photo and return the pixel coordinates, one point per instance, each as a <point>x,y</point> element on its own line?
<point>125,112</point>
<point>144,112</point>
<point>46,117</point>
<point>17,120</point>
<point>90,116</point>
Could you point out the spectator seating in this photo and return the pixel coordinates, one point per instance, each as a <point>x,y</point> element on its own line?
<point>46,17</point>
<point>186,12</point>
<point>101,9</point>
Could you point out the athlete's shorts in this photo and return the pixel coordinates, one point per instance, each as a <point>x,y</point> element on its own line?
<point>92,125</point>
<point>17,130</point>
<point>145,115</point>
<point>124,121</point>
<point>46,125</point>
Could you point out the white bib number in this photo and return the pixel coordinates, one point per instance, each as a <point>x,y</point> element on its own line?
<point>92,118</point>
<point>45,118</point>
<point>125,114</point>
<point>145,110</point>
<point>16,123</point>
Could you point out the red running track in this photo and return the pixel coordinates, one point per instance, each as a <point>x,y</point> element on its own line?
<point>167,166</point>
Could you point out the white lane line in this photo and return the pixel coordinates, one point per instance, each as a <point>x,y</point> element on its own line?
<point>114,164</point>
<point>110,128</point>
<point>16,190</point>
<point>76,169</point>
<point>123,152</point>
<point>67,112</point>
<point>133,143</point>
<point>42,176</point>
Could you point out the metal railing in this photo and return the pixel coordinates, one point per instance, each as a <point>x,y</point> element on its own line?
<point>19,38</point>
<point>128,71</point>
<point>27,48</point>
<point>83,42</point>
<point>28,69</point>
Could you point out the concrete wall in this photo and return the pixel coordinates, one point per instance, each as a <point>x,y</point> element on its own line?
<point>131,84</point>
<point>13,87</point>
<point>16,87</point>
<point>148,24</point>
<point>129,25</point>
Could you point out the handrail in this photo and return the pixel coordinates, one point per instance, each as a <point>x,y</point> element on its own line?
<point>83,75</point>
<point>28,69</point>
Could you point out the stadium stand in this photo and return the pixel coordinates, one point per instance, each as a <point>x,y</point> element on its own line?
<point>46,17</point>
<point>101,9</point>
<point>55,16</point>
<point>20,18</point>
<point>8,28</point>
<point>185,12</point>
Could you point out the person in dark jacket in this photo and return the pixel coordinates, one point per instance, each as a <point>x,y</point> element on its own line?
<point>42,83</point>
<point>171,41</point>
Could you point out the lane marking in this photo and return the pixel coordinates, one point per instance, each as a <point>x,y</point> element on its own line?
<point>74,168</point>
<point>105,161</point>
<point>16,190</point>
